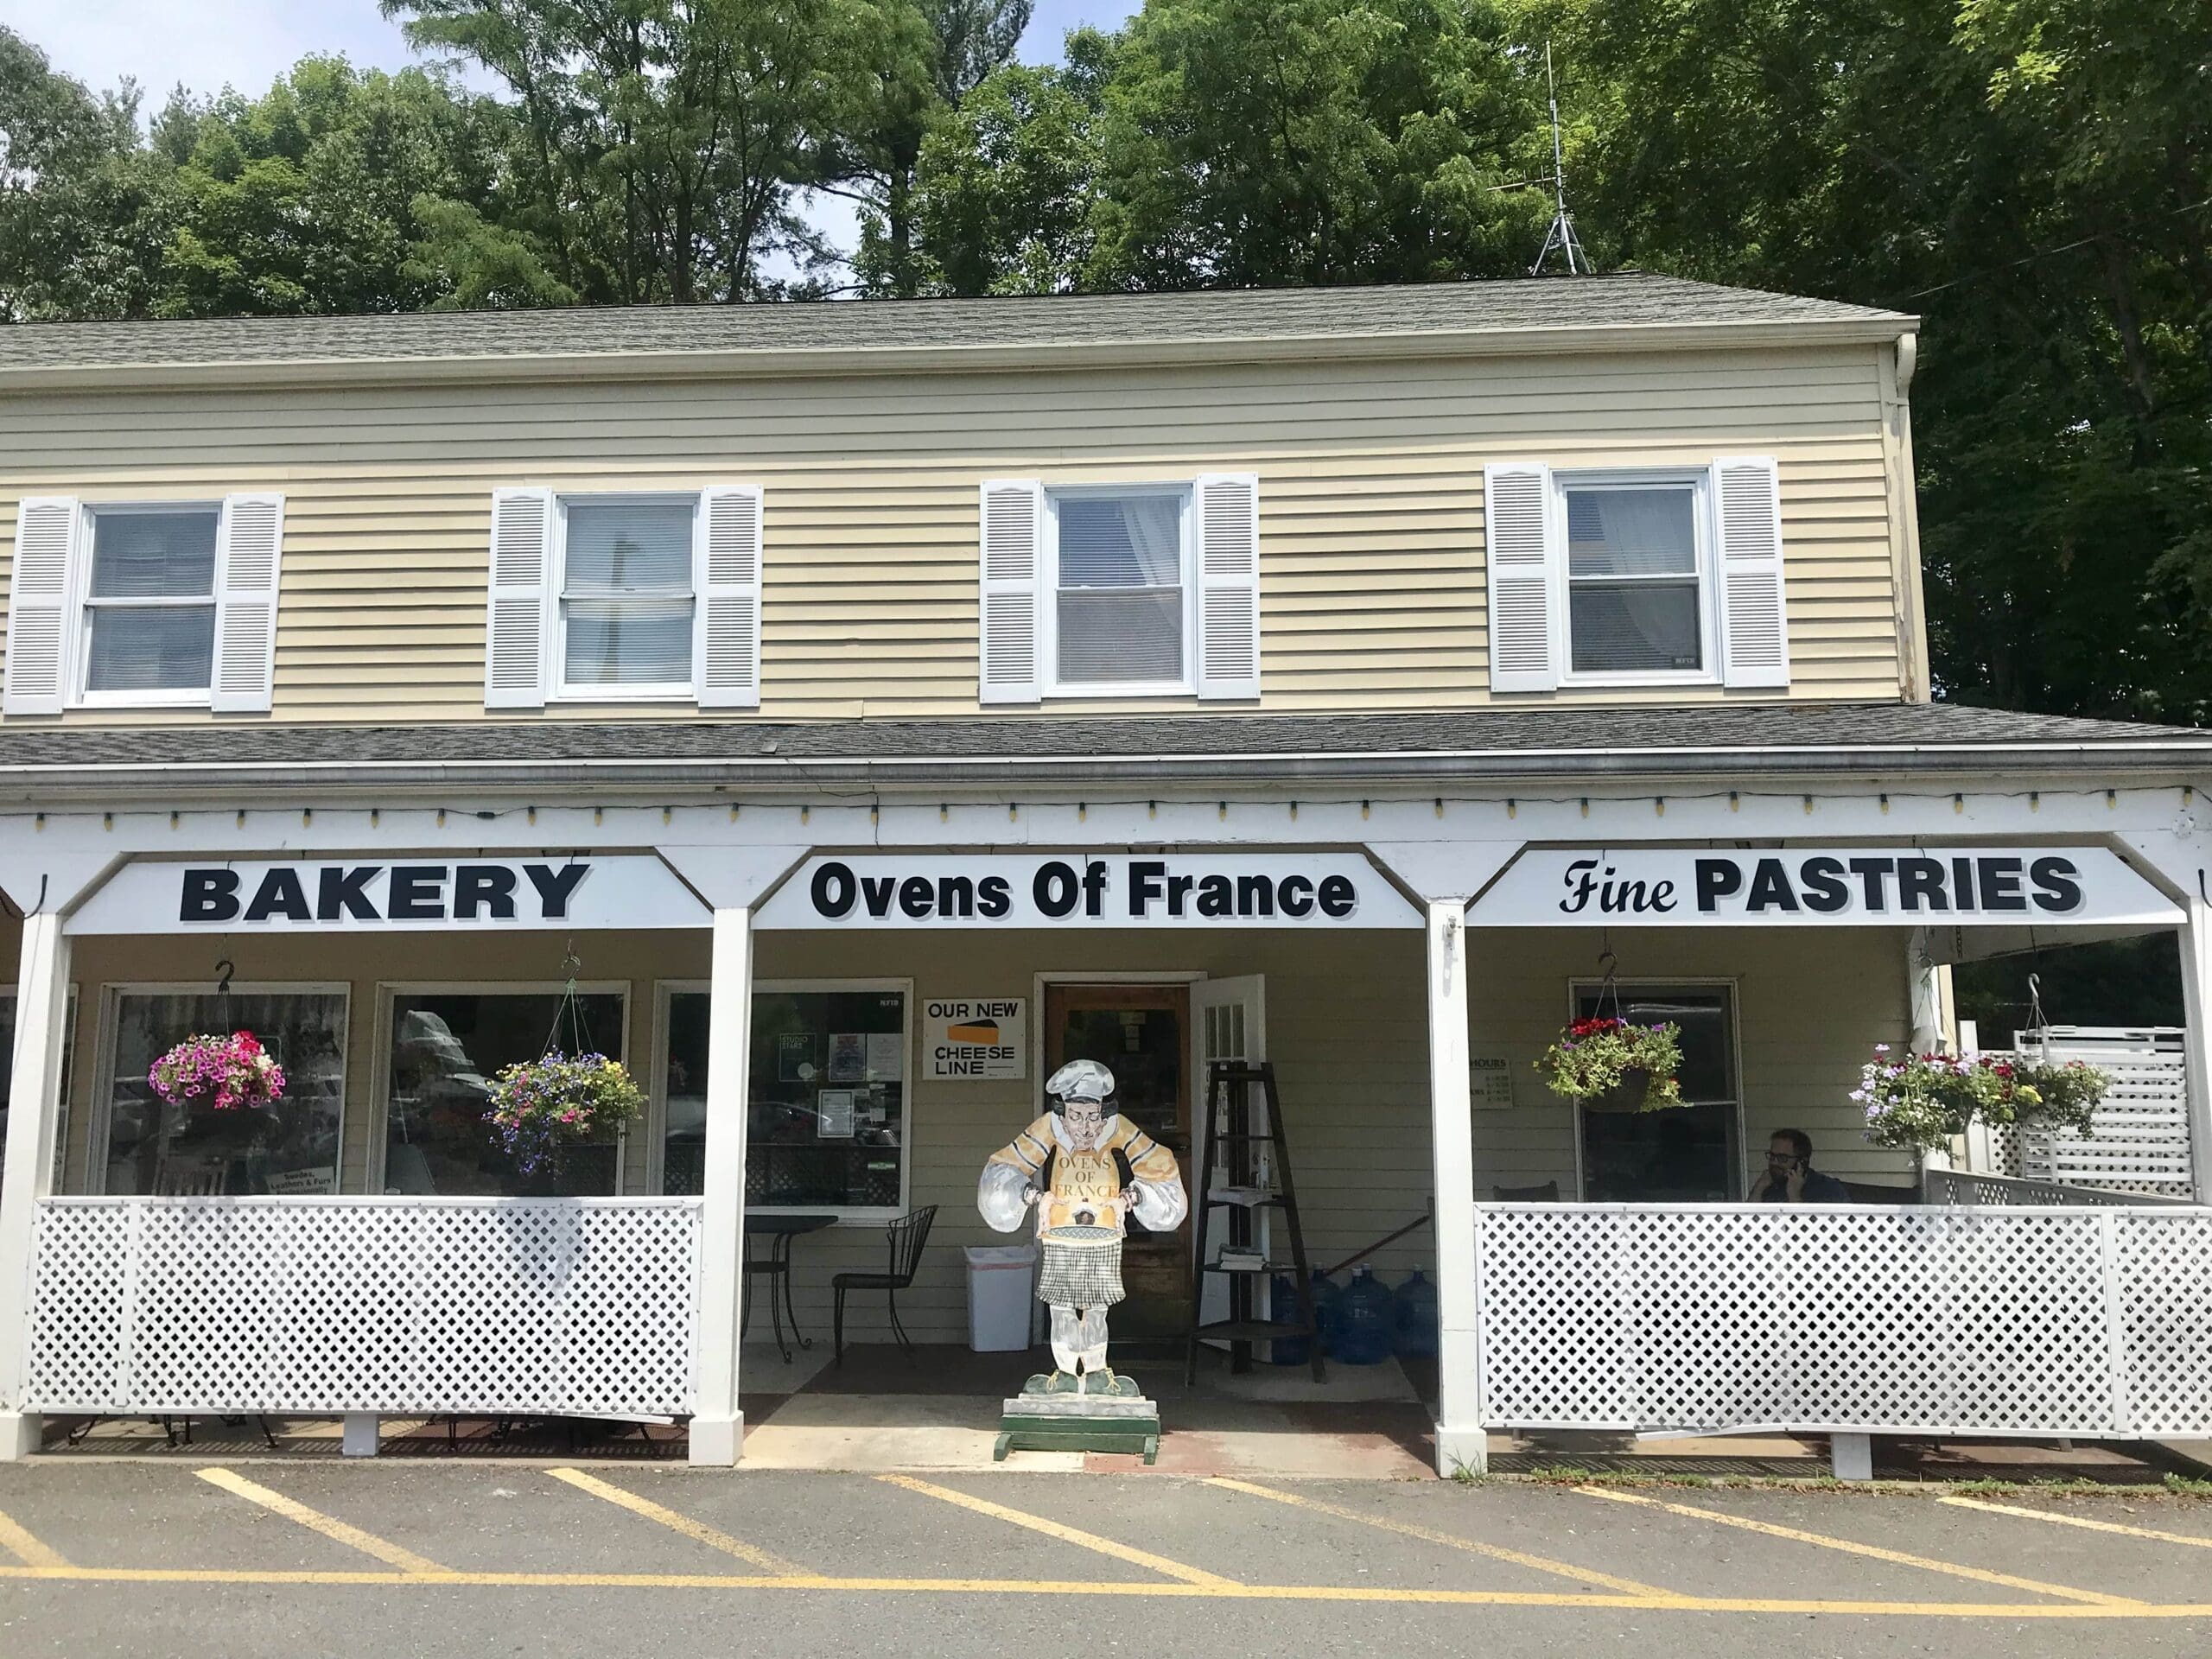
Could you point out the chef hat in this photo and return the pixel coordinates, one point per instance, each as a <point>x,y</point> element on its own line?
<point>1081,1080</point>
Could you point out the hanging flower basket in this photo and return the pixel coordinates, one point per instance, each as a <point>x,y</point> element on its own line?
<point>540,1106</point>
<point>1918,1101</point>
<point>1611,1065</point>
<point>227,1073</point>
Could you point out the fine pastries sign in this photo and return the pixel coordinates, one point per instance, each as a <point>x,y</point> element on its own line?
<point>621,891</point>
<point>1802,886</point>
<point>1319,891</point>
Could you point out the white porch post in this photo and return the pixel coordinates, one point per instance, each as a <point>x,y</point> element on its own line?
<point>717,1425</point>
<point>1461,1441</point>
<point>42,1038</point>
<point>2196,939</point>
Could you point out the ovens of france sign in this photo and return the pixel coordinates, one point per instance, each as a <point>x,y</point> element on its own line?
<point>1813,886</point>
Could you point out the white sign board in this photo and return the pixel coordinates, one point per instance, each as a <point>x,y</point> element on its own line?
<point>1814,886</point>
<point>349,895</point>
<point>1490,1084</point>
<point>975,1038</point>
<point>1316,891</point>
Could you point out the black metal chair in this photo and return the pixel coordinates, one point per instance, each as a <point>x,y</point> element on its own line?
<point>1547,1194</point>
<point>905,1236</point>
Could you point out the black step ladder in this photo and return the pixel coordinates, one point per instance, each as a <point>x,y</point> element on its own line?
<point>1254,1183</point>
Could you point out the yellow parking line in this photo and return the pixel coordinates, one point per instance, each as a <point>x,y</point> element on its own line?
<point>2081,1520</point>
<point>1107,1588</point>
<point>315,1521</point>
<point>713,1539</point>
<point>16,1540</point>
<point>1451,1540</point>
<point>1875,1552</point>
<point>1066,1535</point>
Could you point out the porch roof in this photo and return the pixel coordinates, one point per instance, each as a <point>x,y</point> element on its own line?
<point>1492,746</point>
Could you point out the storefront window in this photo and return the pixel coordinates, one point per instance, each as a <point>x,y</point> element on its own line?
<point>446,1048</point>
<point>291,1146</point>
<point>7,1079</point>
<point>827,1109</point>
<point>1687,1153</point>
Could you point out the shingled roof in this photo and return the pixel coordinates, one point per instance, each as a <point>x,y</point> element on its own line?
<point>1860,739</point>
<point>1445,310</point>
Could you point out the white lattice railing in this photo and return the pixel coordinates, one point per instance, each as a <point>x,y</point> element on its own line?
<point>553,1307</point>
<point>2139,1136</point>
<point>1975,1186</point>
<point>1890,1320</point>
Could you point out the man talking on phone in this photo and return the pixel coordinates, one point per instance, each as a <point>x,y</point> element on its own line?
<point>1790,1176</point>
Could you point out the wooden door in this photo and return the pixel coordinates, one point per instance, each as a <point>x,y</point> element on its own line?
<point>1141,1034</point>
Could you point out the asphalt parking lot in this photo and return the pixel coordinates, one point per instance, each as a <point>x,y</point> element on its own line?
<point>297,1559</point>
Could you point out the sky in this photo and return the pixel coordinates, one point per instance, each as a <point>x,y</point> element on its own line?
<point>247,43</point>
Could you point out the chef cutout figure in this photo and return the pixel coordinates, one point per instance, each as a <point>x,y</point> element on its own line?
<point>1084,1170</point>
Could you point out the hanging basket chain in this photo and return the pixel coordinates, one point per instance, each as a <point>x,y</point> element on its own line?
<point>570,1006</point>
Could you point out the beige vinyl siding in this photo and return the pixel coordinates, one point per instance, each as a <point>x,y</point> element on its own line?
<point>1370,508</point>
<point>1347,1028</point>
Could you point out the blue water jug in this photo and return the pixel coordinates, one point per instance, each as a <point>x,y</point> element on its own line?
<point>1417,1317</point>
<point>1296,1351</point>
<point>1364,1320</point>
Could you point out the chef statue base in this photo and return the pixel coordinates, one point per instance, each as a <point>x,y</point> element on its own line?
<point>1083,1170</point>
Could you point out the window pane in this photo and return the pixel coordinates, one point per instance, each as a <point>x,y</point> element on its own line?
<point>1684,1154</point>
<point>629,546</point>
<point>1134,541</point>
<point>629,641</point>
<point>166,648</point>
<point>827,1108</point>
<point>1120,637</point>
<point>445,1051</point>
<point>1631,533</point>
<point>153,554</point>
<point>1631,628</point>
<point>8,1081</point>
<point>153,1147</point>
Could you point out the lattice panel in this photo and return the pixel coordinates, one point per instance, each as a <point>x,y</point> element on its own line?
<point>2141,1138</point>
<point>558,1306</point>
<point>2164,1275</point>
<point>1937,1319</point>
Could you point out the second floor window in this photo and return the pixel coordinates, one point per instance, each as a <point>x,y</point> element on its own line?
<point>627,602</point>
<point>150,603</point>
<point>1121,599</point>
<point>1635,601</point>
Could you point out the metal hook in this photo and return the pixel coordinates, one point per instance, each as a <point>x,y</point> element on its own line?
<point>224,970</point>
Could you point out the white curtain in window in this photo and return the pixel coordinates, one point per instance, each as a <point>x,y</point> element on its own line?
<point>1630,533</point>
<point>1120,541</point>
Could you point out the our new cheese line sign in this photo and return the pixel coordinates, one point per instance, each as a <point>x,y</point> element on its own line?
<point>1315,891</point>
<point>964,1038</point>
<point>1806,886</point>
<point>402,894</point>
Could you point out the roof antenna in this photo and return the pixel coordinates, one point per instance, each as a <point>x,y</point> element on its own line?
<point>1562,235</point>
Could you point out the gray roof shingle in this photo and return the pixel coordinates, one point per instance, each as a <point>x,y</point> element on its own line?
<point>1506,742</point>
<point>1626,300</point>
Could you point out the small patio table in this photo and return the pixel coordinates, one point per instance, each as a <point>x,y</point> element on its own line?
<point>779,1230</point>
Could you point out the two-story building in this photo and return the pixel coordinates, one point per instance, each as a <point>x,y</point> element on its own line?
<point>845,713</point>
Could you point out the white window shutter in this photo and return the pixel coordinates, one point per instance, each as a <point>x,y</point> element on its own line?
<point>726,576</point>
<point>1527,586</point>
<point>1228,585</point>
<point>1013,591</point>
<point>1754,630</point>
<point>49,539</point>
<point>517,615</point>
<point>248,550</point>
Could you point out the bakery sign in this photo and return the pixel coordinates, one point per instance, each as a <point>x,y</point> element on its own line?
<point>1819,887</point>
<point>1315,891</point>
<point>390,894</point>
<point>983,1039</point>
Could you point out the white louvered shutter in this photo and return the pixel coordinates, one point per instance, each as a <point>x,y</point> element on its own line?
<point>1527,580</point>
<point>49,535</point>
<point>1228,585</point>
<point>518,615</point>
<point>1755,643</point>
<point>1013,591</point>
<point>247,552</point>
<point>726,622</point>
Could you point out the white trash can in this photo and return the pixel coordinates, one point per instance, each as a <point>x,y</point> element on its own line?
<point>1002,1281</point>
